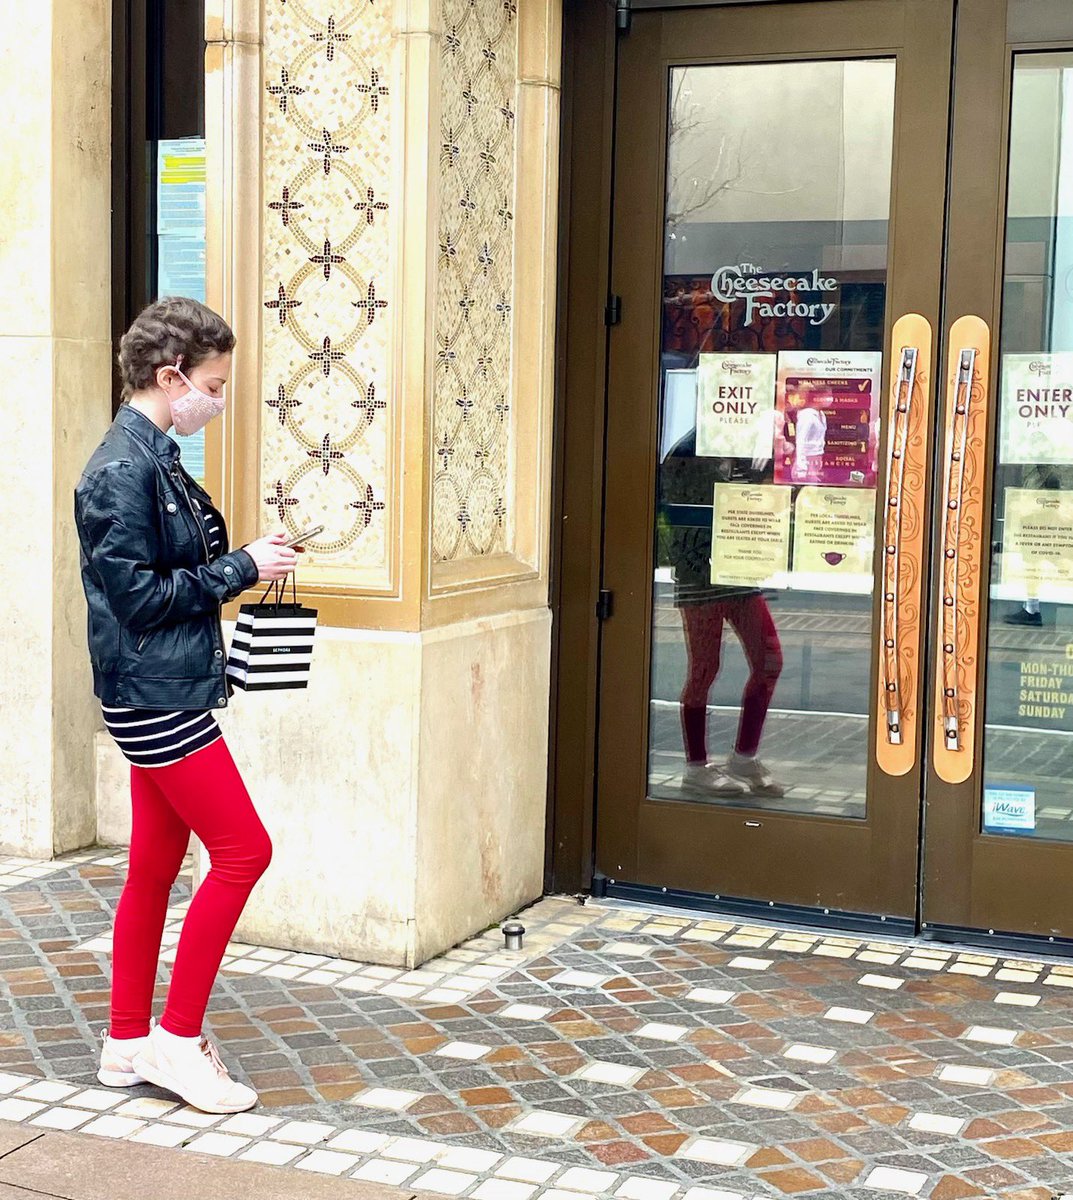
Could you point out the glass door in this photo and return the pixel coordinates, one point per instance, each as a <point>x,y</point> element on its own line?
<point>838,671</point>
<point>998,846</point>
<point>778,222</point>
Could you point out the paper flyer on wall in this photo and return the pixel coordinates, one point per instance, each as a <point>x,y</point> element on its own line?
<point>736,405</point>
<point>1036,425</point>
<point>828,417</point>
<point>750,535</point>
<point>1037,546</point>
<point>833,540</point>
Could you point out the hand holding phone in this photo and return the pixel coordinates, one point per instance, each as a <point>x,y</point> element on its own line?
<point>274,560</point>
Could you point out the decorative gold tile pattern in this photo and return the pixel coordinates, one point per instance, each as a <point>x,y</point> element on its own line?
<point>474,291</point>
<point>326,279</point>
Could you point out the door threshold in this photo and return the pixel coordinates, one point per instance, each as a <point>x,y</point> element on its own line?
<point>634,897</point>
<point>1024,944</point>
<point>759,911</point>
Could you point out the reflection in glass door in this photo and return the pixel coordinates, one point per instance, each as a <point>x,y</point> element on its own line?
<point>774,304</point>
<point>1028,738</point>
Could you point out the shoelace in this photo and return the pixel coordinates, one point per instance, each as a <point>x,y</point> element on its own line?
<point>213,1055</point>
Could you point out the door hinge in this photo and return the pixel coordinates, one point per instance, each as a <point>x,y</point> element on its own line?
<point>613,309</point>
<point>622,16</point>
<point>604,604</point>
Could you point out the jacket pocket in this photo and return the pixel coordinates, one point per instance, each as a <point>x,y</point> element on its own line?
<point>187,644</point>
<point>162,652</point>
<point>180,542</point>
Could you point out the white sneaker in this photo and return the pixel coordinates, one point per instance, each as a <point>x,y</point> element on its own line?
<point>713,779</point>
<point>117,1061</point>
<point>193,1070</point>
<point>754,775</point>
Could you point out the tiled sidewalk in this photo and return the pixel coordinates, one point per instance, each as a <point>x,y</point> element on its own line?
<point>641,1056</point>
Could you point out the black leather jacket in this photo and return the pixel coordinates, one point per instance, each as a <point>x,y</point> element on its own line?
<point>154,598</point>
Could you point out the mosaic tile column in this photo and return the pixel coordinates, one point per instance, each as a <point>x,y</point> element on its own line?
<point>55,343</point>
<point>381,234</point>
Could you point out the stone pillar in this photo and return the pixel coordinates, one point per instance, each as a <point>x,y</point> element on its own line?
<point>382,215</point>
<point>55,260</point>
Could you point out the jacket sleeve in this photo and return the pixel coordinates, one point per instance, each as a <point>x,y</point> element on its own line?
<point>122,546</point>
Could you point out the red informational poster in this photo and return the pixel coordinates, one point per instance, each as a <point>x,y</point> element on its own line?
<point>827,431</point>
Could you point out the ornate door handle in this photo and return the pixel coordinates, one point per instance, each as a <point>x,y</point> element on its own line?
<point>961,530</point>
<point>953,507</point>
<point>903,526</point>
<point>892,537</point>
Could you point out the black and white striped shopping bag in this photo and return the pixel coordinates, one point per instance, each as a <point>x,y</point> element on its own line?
<point>273,643</point>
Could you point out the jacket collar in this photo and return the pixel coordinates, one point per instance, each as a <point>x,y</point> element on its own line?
<point>144,430</point>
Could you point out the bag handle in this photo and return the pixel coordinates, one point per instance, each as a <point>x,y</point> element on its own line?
<point>281,590</point>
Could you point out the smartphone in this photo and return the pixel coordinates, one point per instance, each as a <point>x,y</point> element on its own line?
<point>303,537</point>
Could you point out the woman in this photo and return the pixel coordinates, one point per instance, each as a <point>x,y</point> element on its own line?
<point>156,568</point>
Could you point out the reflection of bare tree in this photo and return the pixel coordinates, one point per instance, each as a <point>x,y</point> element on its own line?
<point>703,162</point>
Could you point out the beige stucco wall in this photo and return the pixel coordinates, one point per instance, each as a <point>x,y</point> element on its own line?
<point>404,790</point>
<point>333,773</point>
<point>482,775</point>
<point>55,193</point>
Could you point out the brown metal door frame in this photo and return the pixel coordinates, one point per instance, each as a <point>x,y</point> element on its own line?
<point>973,881</point>
<point>587,127</point>
<point>858,866</point>
<point>966,876</point>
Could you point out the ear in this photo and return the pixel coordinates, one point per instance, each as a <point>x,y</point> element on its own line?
<point>166,376</point>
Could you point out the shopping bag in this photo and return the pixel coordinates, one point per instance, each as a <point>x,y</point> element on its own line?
<point>273,643</point>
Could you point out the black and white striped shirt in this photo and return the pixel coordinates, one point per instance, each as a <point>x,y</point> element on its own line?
<point>151,738</point>
<point>212,527</point>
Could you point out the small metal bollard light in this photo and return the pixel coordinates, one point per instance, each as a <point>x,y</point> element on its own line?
<point>513,933</point>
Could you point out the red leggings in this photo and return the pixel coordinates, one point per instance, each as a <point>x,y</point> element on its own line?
<point>203,793</point>
<point>750,618</point>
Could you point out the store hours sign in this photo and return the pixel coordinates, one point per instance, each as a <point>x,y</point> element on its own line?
<point>800,295</point>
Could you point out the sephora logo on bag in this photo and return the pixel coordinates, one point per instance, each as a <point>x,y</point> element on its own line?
<point>273,644</point>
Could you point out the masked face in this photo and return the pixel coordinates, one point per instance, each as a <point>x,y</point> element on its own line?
<point>194,409</point>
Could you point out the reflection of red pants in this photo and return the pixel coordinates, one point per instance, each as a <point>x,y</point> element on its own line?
<point>750,618</point>
<point>205,793</point>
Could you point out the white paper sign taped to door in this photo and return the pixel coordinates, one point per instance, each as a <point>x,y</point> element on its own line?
<point>736,406</point>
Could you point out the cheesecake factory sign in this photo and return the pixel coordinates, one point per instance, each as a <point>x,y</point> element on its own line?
<point>759,289</point>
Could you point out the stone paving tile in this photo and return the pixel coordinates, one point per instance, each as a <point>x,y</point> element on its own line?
<point>651,1059</point>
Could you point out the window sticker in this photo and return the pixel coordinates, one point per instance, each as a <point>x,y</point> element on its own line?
<point>1009,810</point>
